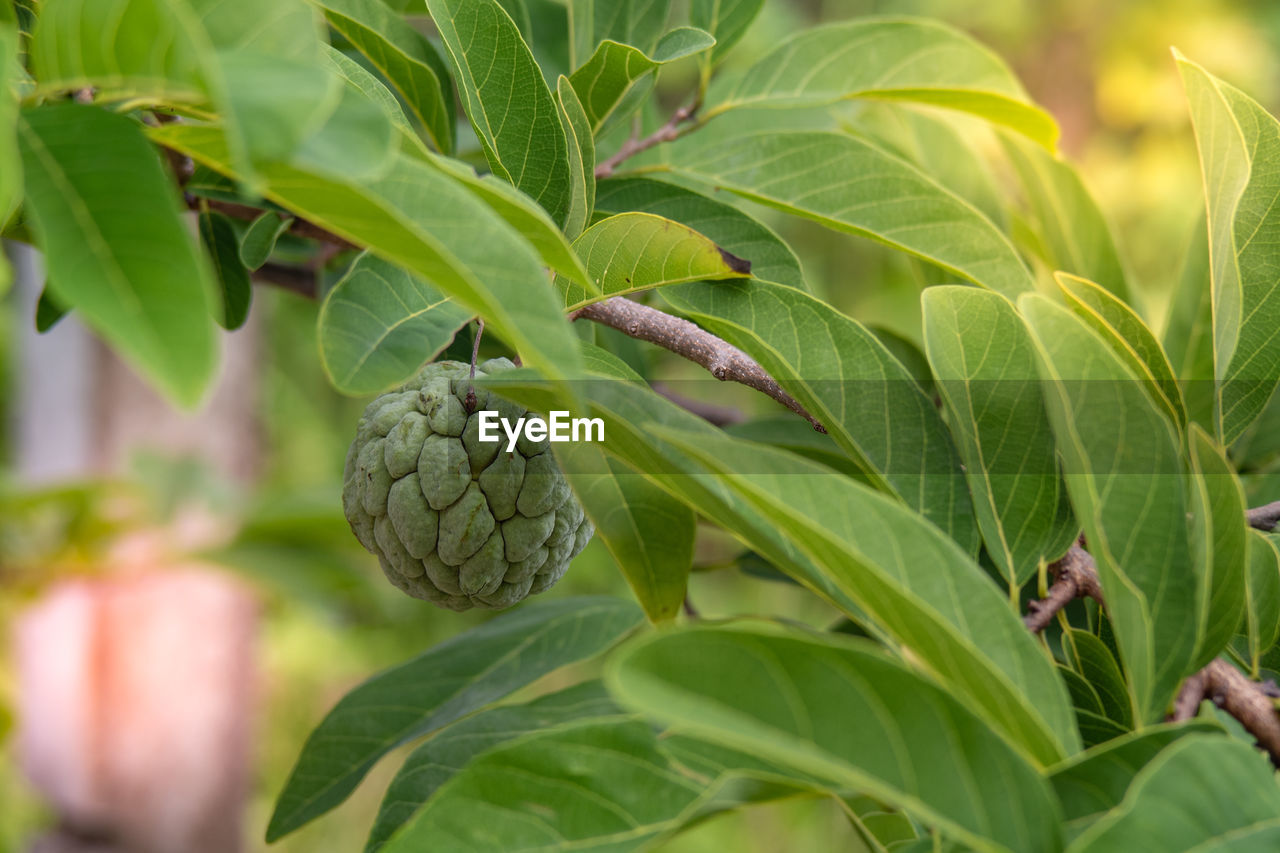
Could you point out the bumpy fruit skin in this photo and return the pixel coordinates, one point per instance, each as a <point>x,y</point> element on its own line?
<point>453,520</point>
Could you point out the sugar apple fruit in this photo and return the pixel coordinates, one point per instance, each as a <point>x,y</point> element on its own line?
<point>453,520</point>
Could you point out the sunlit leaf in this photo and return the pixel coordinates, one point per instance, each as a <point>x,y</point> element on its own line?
<point>582,158</point>
<point>604,79</point>
<point>726,20</point>
<point>634,22</point>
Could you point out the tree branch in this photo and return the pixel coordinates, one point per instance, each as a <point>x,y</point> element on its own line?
<point>1245,700</point>
<point>299,227</point>
<point>708,411</point>
<point>725,361</point>
<point>1265,517</point>
<point>293,279</point>
<point>1075,576</point>
<point>633,146</point>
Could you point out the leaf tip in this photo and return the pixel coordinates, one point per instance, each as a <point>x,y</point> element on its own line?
<point>739,265</point>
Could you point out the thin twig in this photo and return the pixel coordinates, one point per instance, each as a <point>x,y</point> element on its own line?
<point>469,403</point>
<point>633,146</point>
<point>1264,517</point>
<point>299,227</point>
<point>1076,576</point>
<point>293,279</point>
<point>725,361</point>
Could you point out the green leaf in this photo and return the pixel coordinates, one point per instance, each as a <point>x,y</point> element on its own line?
<point>985,368</point>
<point>116,248</point>
<point>1262,599</point>
<point>441,685</point>
<point>358,140</point>
<point>222,248</point>
<point>1204,792</point>
<point>906,59</point>
<point>260,238</point>
<point>592,786</point>
<point>404,57</point>
<point>1237,140</point>
<point>1096,780</point>
<point>506,99</point>
<point>889,561</point>
<point>1128,337</point>
<point>838,370</point>
<point>726,20</point>
<point>1093,660</point>
<point>604,79</point>
<point>842,710</point>
<point>582,158</point>
<point>418,217</point>
<point>1188,334</point>
<point>1124,472</point>
<point>1219,542</point>
<point>649,533</point>
<point>732,229</point>
<point>10,163</point>
<point>638,251</point>
<point>379,324</point>
<point>1074,236</point>
<point>634,22</point>
<point>455,747</point>
<point>849,184</point>
<point>48,311</point>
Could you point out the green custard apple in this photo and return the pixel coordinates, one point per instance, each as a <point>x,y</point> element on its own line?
<point>454,520</point>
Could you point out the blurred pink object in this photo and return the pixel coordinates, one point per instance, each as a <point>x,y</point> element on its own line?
<point>135,709</point>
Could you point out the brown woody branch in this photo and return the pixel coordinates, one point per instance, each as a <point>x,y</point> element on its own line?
<point>303,282</point>
<point>1075,576</point>
<point>633,146</point>
<point>299,227</point>
<point>1264,517</point>
<point>708,411</point>
<point>723,360</point>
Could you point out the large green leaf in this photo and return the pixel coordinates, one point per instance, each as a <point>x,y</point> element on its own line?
<point>732,229</point>
<point>506,99</point>
<point>1238,140</point>
<point>1124,472</point>
<point>846,378</point>
<point>443,684</point>
<point>850,184</point>
<point>405,58</point>
<point>842,710</point>
<point>1219,541</point>
<point>605,78</point>
<point>582,158</point>
<point>380,323</point>
<point>1188,332</point>
<point>649,533</point>
<point>637,251</point>
<point>418,217</point>
<point>1204,792</point>
<point>634,22</point>
<point>1262,601</point>
<point>117,250</point>
<point>443,756</point>
<point>726,20</point>
<point>1074,235</point>
<point>984,366</point>
<point>903,59</point>
<point>911,580</point>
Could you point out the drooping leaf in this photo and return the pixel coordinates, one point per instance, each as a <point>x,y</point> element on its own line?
<point>984,366</point>
<point>605,78</point>
<point>634,22</point>
<point>1219,541</point>
<point>259,239</point>
<point>115,246</point>
<point>223,250</point>
<point>726,20</point>
<point>849,184</point>
<point>1262,612</point>
<point>1237,137</point>
<point>732,229</point>
<point>441,758</point>
<point>844,711</point>
<point>420,218</point>
<point>649,533</point>
<point>889,560</point>
<point>506,99</point>
<point>1074,235</point>
<point>582,158</point>
<point>404,57</point>
<point>1203,792</point>
<point>1128,337</point>
<point>638,251</point>
<point>443,684</point>
<point>846,378</point>
<point>1124,473</point>
<point>905,59</point>
<point>380,323</point>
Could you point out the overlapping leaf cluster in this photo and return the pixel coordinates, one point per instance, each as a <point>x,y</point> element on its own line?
<point>1036,404</point>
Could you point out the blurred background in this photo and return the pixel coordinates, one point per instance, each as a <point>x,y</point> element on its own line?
<point>219,538</point>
